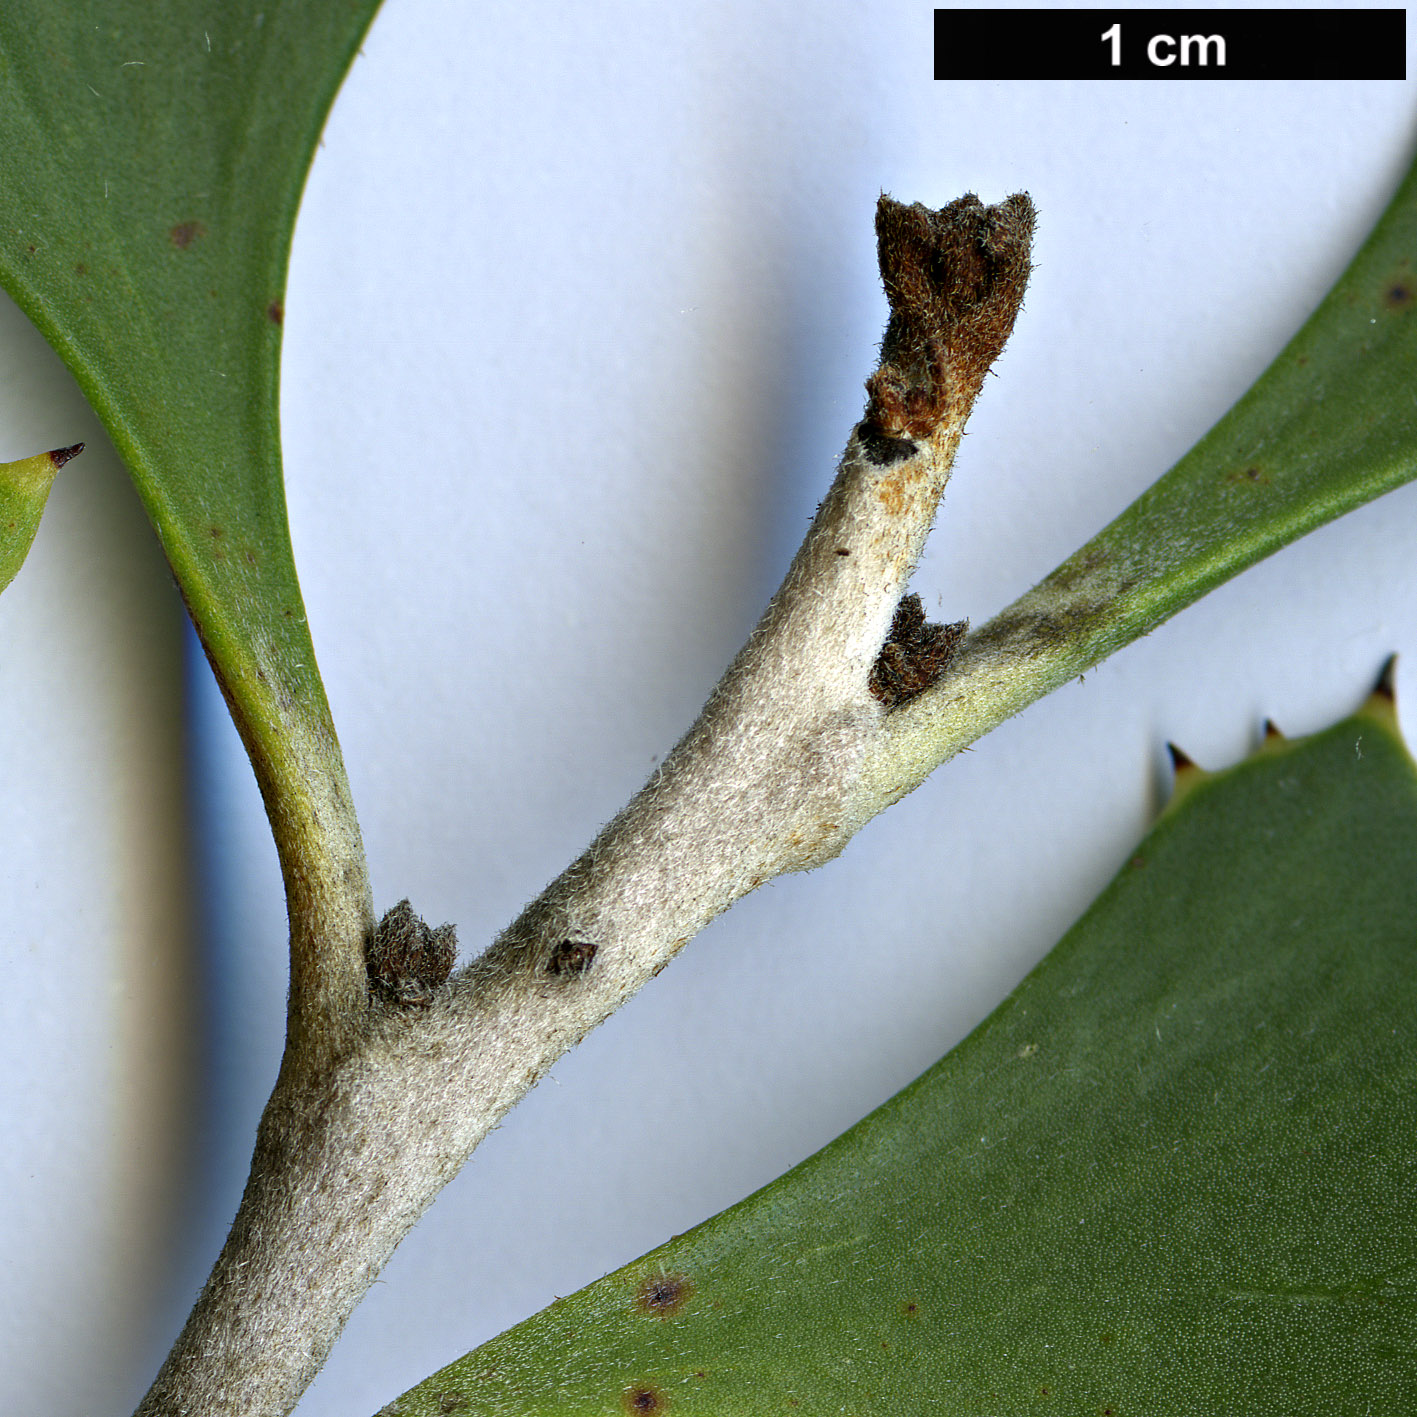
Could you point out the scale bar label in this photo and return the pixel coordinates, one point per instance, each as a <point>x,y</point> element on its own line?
<point>1171,44</point>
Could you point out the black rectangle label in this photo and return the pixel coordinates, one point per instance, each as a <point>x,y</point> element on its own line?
<point>1170,44</point>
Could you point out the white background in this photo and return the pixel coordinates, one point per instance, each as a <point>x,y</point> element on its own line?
<point>581,302</point>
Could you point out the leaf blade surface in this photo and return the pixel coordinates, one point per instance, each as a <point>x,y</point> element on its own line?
<point>1171,1173</point>
<point>151,162</point>
<point>152,159</point>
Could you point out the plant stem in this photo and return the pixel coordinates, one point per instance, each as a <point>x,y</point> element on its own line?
<point>370,1118</point>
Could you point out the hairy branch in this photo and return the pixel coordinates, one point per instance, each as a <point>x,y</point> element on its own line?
<point>771,778</point>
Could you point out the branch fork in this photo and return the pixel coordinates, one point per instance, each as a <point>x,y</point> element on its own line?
<point>773,777</point>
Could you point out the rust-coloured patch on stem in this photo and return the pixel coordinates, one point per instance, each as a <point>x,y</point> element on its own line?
<point>914,655</point>
<point>955,279</point>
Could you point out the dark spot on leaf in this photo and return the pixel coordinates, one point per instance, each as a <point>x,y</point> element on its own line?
<point>275,312</point>
<point>185,233</point>
<point>572,957</point>
<point>1248,474</point>
<point>914,655</point>
<point>215,531</point>
<point>80,269</point>
<point>1138,861</point>
<point>843,551</point>
<point>1398,295</point>
<point>31,248</point>
<point>910,1308</point>
<point>452,1402</point>
<point>663,1294</point>
<point>1108,1337</point>
<point>643,1397</point>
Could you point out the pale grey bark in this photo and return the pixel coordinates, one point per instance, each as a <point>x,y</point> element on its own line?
<point>356,1141</point>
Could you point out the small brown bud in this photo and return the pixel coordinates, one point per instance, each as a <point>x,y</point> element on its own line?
<point>572,957</point>
<point>407,961</point>
<point>914,655</point>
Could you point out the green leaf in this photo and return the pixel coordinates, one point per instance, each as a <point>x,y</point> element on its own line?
<point>24,489</point>
<point>1172,1173</point>
<point>1330,425</point>
<point>151,160</point>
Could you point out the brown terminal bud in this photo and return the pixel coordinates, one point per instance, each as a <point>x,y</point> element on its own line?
<point>955,279</point>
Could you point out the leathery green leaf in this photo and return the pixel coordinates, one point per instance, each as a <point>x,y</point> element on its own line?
<point>24,490</point>
<point>151,161</point>
<point>1330,425</point>
<point>1173,1173</point>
